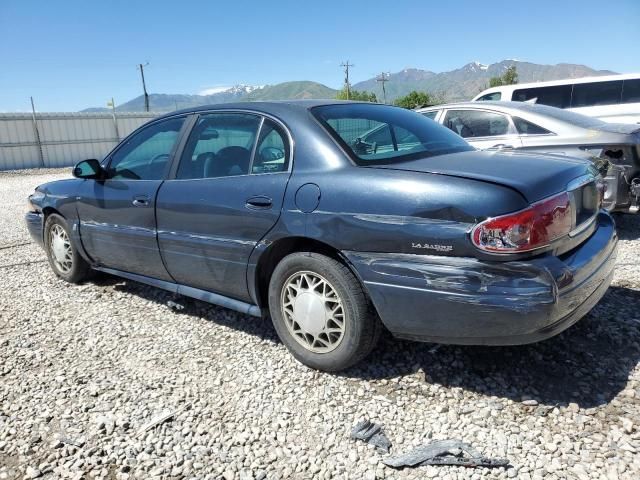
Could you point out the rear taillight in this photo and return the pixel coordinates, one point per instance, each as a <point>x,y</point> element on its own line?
<point>528,229</point>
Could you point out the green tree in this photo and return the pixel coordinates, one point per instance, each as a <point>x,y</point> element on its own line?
<point>510,77</point>
<point>360,96</point>
<point>415,100</point>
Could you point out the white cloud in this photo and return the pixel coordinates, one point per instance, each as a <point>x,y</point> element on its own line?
<point>214,89</point>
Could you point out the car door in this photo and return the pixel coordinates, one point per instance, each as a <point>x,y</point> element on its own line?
<point>224,196</point>
<point>482,128</point>
<point>117,215</point>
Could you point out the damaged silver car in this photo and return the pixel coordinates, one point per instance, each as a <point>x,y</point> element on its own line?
<point>613,147</point>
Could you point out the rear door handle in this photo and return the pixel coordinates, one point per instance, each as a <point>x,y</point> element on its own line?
<point>259,202</point>
<point>140,201</point>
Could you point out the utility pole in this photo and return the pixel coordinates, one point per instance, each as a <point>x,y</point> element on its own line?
<point>144,87</point>
<point>112,104</point>
<point>383,78</point>
<point>347,85</point>
<point>36,132</point>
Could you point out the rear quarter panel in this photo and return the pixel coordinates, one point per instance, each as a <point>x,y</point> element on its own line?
<point>375,210</point>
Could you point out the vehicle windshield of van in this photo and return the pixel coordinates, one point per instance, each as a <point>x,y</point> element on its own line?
<point>375,134</point>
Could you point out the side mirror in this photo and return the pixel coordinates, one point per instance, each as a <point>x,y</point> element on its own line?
<point>90,168</point>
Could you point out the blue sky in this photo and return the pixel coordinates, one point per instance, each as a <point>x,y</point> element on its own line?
<point>75,54</point>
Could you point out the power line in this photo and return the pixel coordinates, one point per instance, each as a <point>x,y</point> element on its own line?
<point>144,86</point>
<point>383,78</point>
<point>347,85</point>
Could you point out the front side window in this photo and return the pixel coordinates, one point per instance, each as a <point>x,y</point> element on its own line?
<point>379,134</point>
<point>220,145</point>
<point>597,93</point>
<point>495,96</point>
<point>525,127</point>
<point>146,154</point>
<point>555,96</point>
<point>476,123</point>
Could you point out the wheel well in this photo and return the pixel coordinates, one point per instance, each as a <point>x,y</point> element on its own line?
<point>280,249</point>
<point>46,211</point>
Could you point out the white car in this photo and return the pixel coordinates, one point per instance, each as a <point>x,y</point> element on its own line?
<point>611,98</point>
<point>525,127</point>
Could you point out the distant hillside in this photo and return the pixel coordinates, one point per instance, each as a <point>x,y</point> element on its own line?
<point>464,83</point>
<point>399,83</point>
<point>163,102</point>
<point>460,84</point>
<point>292,90</point>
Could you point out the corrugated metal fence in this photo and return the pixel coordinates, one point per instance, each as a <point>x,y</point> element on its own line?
<point>61,139</point>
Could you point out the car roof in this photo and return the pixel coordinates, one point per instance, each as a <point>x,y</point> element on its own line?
<point>269,107</point>
<point>571,81</point>
<point>552,118</point>
<point>495,105</point>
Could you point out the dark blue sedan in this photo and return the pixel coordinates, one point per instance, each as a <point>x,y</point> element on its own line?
<point>295,210</point>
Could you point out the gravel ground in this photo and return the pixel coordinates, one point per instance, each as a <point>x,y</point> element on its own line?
<point>85,369</point>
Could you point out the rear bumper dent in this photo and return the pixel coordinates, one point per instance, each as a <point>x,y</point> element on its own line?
<point>466,301</point>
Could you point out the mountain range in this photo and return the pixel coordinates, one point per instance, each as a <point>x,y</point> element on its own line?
<point>456,85</point>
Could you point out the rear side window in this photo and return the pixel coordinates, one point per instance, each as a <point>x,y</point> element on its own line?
<point>431,115</point>
<point>374,134</point>
<point>495,96</point>
<point>220,145</point>
<point>555,96</point>
<point>272,151</point>
<point>524,127</point>
<point>631,91</point>
<point>597,93</point>
<point>476,123</point>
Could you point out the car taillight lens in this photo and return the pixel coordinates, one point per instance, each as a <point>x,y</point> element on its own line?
<point>528,229</point>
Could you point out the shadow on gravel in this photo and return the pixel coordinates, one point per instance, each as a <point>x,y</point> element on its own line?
<point>589,364</point>
<point>628,226</point>
<point>192,308</point>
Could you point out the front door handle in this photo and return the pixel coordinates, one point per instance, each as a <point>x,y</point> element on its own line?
<point>140,201</point>
<point>503,146</point>
<point>259,202</point>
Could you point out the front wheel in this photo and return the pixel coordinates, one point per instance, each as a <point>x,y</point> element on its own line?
<point>321,312</point>
<point>63,256</point>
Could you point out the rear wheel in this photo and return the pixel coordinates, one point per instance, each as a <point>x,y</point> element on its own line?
<point>63,256</point>
<point>321,312</point>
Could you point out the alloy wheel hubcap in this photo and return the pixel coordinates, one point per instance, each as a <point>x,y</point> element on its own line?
<point>60,247</point>
<point>313,312</point>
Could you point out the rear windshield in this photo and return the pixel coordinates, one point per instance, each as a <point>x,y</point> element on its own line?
<point>381,135</point>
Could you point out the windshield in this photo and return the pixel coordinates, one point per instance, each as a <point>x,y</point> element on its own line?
<point>375,134</point>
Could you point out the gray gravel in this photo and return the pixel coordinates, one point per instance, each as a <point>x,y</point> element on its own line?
<point>87,372</point>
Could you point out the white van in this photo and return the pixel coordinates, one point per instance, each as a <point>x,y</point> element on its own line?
<point>612,98</point>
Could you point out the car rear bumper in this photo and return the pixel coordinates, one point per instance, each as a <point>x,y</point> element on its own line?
<point>34,222</point>
<point>467,301</point>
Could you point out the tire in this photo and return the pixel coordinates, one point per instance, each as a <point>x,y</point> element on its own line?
<point>321,312</point>
<point>63,255</point>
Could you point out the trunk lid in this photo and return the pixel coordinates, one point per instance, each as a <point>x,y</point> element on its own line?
<point>535,176</point>
<point>621,128</point>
